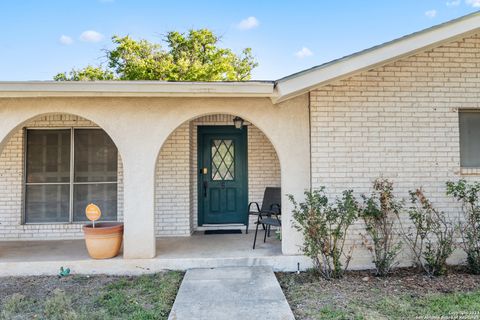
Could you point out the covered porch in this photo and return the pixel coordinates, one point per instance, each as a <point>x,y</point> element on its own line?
<point>19,258</point>
<point>152,183</point>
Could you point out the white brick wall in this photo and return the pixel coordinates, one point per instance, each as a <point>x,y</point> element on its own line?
<point>11,187</point>
<point>172,185</point>
<point>399,121</point>
<point>176,180</point>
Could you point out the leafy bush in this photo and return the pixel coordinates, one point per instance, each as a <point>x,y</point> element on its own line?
<point>324,226</point>
<point>431,238</point>
<point>380,212</point>
<point>469,227</point>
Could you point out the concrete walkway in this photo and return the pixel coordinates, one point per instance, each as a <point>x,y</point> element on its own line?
<point>230,293</point>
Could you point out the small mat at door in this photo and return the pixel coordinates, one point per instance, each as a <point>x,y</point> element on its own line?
<point>224,231</point>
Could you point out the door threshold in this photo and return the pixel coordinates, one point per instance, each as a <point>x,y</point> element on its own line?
<point>206,227</point>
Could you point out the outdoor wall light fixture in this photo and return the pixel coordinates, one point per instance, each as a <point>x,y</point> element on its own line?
<point>238,122</point>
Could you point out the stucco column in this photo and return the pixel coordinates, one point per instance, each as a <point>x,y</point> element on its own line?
<point>291,137</point>
<point>295,180</point>
<point>139,234</point>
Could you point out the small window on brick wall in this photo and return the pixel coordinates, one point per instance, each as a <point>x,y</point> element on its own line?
<point>469,122</point>
<point>65,170</point>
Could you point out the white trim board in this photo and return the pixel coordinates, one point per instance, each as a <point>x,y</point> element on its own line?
<point>135,89</point>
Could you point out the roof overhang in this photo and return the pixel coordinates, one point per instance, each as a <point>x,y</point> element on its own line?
<point>136,89</point>
<point>280,90</point>
<point>307,80</point>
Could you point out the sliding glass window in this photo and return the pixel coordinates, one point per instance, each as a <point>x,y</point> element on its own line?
<point>66,169</point>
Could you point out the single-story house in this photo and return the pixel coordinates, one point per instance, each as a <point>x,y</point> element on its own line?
<point>166,159</point>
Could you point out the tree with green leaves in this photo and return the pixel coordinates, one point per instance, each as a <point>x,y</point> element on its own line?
<point>194,56</point>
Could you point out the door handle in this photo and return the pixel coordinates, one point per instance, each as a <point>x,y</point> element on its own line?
<point>205,186</point>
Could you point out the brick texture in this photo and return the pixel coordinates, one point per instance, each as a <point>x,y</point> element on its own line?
<point>176,180</point>
<point>399,121</point>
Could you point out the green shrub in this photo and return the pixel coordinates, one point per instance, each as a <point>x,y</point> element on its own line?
<point>431,238</point>
<point>469,226</point>
<point>324,226</point>
<point>380,211</point>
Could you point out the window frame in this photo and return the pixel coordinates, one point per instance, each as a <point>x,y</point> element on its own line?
<point>464,110</point>
<point>71,182</point>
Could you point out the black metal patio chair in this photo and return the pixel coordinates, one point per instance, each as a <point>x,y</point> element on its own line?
<point>267,221</point>
<point>268,214</point>
<point>272,199</point>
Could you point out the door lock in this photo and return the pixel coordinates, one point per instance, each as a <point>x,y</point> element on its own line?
<point>204,171</point>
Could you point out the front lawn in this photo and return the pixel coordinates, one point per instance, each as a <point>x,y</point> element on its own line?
<point>89,297</point>
<point>404,295</point>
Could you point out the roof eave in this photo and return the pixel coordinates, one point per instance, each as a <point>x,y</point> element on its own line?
<point>305,81</point>
<point>136,89</point>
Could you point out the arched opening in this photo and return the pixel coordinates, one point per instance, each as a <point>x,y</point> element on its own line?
<point>51,167</point>
<point>180,211</point>
<point>140,126</point>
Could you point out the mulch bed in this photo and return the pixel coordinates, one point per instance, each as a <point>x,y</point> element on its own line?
<point>405,280</point>
<point>308,290</point>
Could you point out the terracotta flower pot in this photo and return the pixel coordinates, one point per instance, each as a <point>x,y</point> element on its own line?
<point>105,240</point>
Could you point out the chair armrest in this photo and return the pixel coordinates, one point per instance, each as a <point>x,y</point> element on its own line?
<point>275,207</point>
<point>255,203</point>
<point>276,211</point>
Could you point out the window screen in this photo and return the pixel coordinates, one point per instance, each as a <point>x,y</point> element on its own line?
<point>55,191</point>
<point>48,156</point>
<point>47,203</point>
<point>95,174</point>
<point>47,176</point>
<point>469,139</point>
<point>103,195</point>
<point>95,156</point>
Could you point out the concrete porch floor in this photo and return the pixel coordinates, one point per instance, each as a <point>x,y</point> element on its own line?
<point>173,253</point>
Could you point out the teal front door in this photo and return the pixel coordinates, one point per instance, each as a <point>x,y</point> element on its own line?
<point>222,175</point>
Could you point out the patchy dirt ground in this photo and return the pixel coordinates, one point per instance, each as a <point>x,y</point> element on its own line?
<point>40,287</point>
<point>403,295</point>
<point>89,297</point>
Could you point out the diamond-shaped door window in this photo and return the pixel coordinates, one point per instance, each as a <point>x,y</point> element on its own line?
<point>223,160</point>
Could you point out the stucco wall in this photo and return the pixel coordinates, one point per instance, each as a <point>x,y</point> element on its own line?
<point>140,126</point>
<point>11,186</point>
<point>399,121</point>
<point>176,179</point>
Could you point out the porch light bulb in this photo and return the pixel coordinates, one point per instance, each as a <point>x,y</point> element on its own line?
<point>238,122</point>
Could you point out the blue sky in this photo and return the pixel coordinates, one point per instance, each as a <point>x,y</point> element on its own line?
<point>40,38</point>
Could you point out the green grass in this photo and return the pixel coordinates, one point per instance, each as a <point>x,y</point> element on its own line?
<point>406,307</point>
<point>143,297</point>
<point>311,299</point>
<point>399,307</point>
<point>147,297</point>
